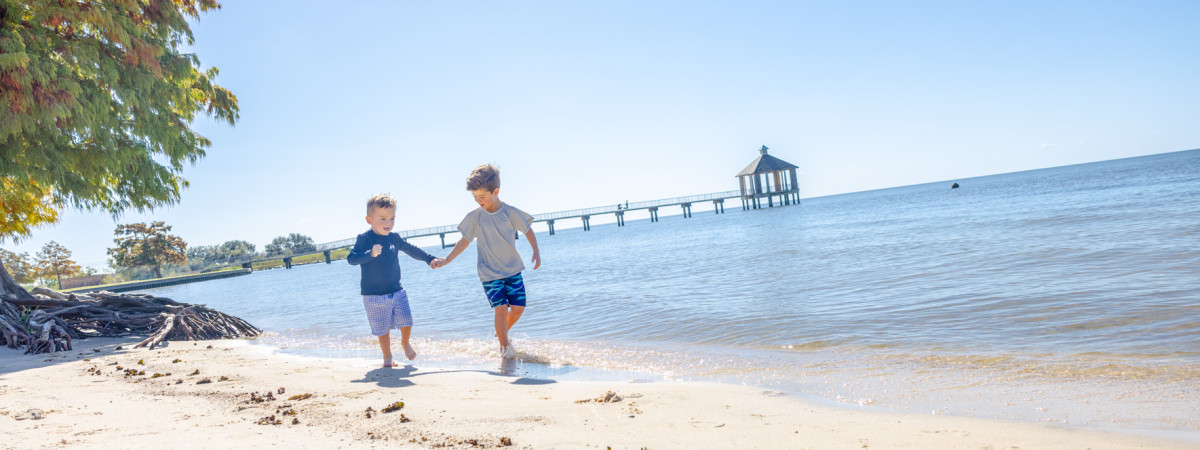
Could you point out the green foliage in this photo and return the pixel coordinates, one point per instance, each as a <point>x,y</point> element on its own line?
<point>201,256</point>
<point>291,244</point>
<point>231,252</point>
<point>19,265</point>
<point>54,260</point>
<point>25,319</point>
<point>140,244</point>
<point>97,104</point>
<point>237,249</point>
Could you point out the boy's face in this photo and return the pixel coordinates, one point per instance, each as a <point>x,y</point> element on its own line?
<point>382,220</point>
<point>487,199</point>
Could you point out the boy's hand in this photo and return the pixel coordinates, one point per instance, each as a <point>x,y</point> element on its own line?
<point>376,250</point>
<point>436,263</point>
<point>537,260</point>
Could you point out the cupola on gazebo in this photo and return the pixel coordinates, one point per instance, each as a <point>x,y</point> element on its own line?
<point>769,177</point>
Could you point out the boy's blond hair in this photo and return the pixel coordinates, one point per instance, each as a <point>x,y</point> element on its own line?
<point>485,176</point>
<point>380,201</point>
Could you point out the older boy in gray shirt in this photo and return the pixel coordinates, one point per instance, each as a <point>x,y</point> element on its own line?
<point>494,225</point>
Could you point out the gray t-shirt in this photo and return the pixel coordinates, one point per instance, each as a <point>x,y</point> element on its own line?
<point>496,239</point>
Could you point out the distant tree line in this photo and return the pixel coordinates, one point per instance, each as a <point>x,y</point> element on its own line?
<point>291,244</point>
<point>146,250</point>
<point>230,252</point>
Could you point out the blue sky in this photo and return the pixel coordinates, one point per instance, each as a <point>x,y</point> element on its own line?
<point>584,104</point>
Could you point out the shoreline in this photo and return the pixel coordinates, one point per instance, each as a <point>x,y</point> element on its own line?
<point>86,400</point>
<point>1084,391</point>
<point>157,282</point>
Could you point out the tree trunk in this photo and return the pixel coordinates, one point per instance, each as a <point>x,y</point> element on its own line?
<point>9,288</point>
<point>158,271</point>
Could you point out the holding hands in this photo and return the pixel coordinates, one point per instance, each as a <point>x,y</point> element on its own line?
<point>437,262</point>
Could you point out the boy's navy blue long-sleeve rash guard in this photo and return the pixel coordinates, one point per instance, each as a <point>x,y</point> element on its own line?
<point>381,274</point>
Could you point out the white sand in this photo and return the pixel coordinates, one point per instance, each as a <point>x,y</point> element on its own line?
<point>442,408</point>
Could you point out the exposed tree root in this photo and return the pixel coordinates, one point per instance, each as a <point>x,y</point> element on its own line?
<point>47,321</point>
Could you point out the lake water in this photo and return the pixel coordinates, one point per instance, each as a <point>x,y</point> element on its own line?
<point>1066,295</point>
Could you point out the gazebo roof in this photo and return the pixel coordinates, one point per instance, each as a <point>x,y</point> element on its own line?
<point>765,163</point>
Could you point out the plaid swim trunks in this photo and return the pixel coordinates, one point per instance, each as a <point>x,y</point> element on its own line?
<point>505,291</point>
<point>385,312</point>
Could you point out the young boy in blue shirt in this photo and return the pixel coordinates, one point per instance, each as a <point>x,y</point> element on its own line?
<point>377,252</point>
<point>494,226</point>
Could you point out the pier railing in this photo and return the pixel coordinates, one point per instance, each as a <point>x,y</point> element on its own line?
<point>636,205</point>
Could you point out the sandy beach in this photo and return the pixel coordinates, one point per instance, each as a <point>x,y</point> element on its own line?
<point>230,394</point>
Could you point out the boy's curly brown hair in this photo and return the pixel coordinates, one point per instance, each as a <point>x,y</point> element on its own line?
<point>485,176</point>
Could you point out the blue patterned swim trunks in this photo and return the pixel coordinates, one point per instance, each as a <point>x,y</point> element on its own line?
<point>505,291</point>
<point>385,312</point>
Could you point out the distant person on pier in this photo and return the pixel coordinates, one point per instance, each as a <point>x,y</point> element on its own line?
<point>377,252</point>
<point>494,225</point>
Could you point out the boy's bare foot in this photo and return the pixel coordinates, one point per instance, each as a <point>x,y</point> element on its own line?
<point>388,363</point>
<point>409,352</point>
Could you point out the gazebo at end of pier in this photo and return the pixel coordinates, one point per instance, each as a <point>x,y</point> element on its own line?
<point>768,177</point>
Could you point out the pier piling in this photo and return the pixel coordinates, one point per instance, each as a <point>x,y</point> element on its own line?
<point>719,206</point>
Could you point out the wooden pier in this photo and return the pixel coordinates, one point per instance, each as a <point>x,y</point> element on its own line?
<point>652,207</point>
<point>767,177</point>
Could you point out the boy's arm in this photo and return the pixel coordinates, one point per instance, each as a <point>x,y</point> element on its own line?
<point>537,256</point>
<point>359,253</point>
<point>413,251</point>
<point>458,248</point>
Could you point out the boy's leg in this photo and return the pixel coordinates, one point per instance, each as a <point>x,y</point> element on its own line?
<point>507,297</point>
<point>402,318</point>
<point>502,324</point>
<point>385,344</point>
<point>409,352</point>
<point>514,297</point>
<point>514,314</point>
<point>379,316</point>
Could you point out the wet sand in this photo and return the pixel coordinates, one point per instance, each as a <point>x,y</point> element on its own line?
<point>229,394</point>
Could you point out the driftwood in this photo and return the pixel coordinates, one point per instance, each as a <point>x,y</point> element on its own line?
<point>47,321</point>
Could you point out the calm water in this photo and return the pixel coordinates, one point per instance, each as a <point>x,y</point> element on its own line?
<point>1067,295</point>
